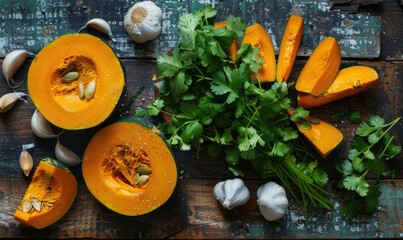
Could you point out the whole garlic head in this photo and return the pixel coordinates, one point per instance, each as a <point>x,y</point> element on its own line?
<point>143,21</point>
<point>272,201</point>
<point>231,193</point>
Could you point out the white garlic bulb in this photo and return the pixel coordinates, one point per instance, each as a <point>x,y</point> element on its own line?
<point>272,201</point>
<point>143,21</point>
<point>231,193</point>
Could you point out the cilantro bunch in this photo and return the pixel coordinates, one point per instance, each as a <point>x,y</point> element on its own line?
<point>215,103</point>
<point>372,146</point>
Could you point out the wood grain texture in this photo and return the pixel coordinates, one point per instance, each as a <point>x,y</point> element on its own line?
<point>31,25</point>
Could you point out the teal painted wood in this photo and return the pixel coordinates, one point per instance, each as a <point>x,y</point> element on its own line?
<point>33,24</point>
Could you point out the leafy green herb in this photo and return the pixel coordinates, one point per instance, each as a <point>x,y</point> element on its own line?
<point>214,101</point>
<point>372,145</point>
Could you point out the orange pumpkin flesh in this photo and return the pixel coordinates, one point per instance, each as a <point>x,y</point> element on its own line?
<point>234,46</point>
<point>257,36</point>
<point>59,102</point>
<point>321,68</point>
<point>112,159</point>
<point>323,136</point>
<point>349,81</point>
<point>55,187</point>
<point>289,47</point>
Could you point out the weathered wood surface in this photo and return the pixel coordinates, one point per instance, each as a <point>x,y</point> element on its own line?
<point>192,212</point>
<point>31,25</point>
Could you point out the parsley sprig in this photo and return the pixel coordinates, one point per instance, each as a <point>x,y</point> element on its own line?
<point>371,147</point>
<point>215,102</point>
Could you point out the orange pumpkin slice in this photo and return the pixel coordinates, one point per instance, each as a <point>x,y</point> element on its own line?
<point>289,47</point>
<point>49,195</point>
<point>234,46</point>
<point>129,168</point>
<point>257,36</point>
<point>349,81</point>
<point>321,68</point>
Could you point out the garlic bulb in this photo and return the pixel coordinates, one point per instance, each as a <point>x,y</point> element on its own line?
<point>66,156</point>
<point>8,100</point>
<point>143,21</point>
<point>100,25</point>
<point>272,201</point>
<point>231,193</point>
<point>11,63</point>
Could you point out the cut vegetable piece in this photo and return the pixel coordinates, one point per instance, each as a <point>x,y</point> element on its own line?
<point>49,196</point>
<point>321,68</point>
<point>289,47</point>
<point>349,81</point>
<point>129,167</point>
<point>234,46</point>
<point>323,136</point>
<point>257,36</point>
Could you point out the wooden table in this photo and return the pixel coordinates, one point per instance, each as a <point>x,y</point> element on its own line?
<point>370,35</point>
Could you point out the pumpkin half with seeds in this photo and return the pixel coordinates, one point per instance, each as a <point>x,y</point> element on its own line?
<point>76,81</point>
<point>129,167</point>
<point>49,195</point>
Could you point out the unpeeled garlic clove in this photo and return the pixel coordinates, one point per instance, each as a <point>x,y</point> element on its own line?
<point>231,193</point>
<point>272,201</point>
<point>65,155</point>
<point>11,63</point>
<point>40,126</point>
<point>26,162</point>
<point>8,100</point>
<point>100,25</point>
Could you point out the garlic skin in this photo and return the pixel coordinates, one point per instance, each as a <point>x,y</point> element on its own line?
<point>231,193</point>
<point>143,21</point>
<point>8,100</point>
<point>40,126</point>
<point>100,25</point>
<point>11,63</point>
<point>272,201</point>
<point>66,156</point>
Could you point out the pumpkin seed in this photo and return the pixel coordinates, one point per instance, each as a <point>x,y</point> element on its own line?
<point>90,90</point>
<point>70,77</point>
<point>80,87</point>
<point>26,206</point>
<point>143,170</point>
<point>51,201</point>
<point>143,179</point>
<point>70,68</point>
<point>36,203</point>
<point>314,120</point>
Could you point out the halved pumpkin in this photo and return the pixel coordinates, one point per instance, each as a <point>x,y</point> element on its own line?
<point>257,36</point>
<point>349,81</point>
<point>58,97</point>
<point>49,195</point>
<point>129,167</point>
<point>323,136</point>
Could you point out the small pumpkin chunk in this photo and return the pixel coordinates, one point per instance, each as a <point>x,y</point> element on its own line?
<point>323,136</point>
<point>49,195</point>
<point>234,46</point>
<point>289,47</point>
<point>257,36</point>
<point>129,168</point>
<point>321,68</point>
<point>349,81</point>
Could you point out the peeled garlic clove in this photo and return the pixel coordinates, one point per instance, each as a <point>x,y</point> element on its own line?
<point>66,156</point>
<point>231,193</point>
<point>11,63</point>
<point>40,126</point>
<point>272,201</point>
<point>26,162</point>
<point>100,25</point>
<point>8,100</point>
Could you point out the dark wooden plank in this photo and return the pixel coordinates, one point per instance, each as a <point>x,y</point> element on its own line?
<point>31,25</point>
<point>193,212</point>
<point>392,32</point>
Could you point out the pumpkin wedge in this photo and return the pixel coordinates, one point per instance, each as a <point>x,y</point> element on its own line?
<point>349,81</point>
<point>49,195</point>
<point>323,136</point>
<point>76,81</point>
<point>321,68</point>
<point>233,49</point>
<point>129,167</point>
<point>289,47</point>
<point>257,36</point>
